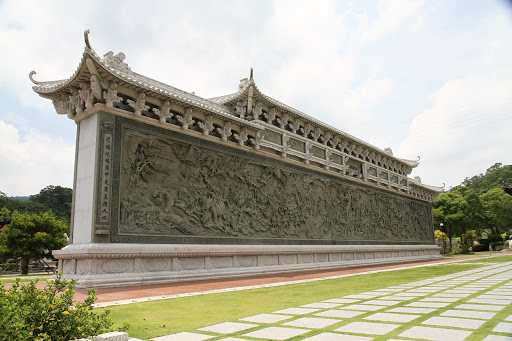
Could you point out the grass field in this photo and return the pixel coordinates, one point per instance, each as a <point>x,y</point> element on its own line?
<point>151,319</point>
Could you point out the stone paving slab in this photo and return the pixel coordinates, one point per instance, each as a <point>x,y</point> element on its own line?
<point>341,300</point>
<point>411,294</point>
<point>486,315</point>
<point>440,299</point>
<point>311,322</point>
<point>508,318</point>
<point>370,328</point>
<point>427,304</point>
<point>366,307</point>
<point>296,311</point>
<point>340,313</point>
<point>381,302</point>
<point>395,298</point>
<point>488,301</point>
<point>228,327</point>
<point>390,317</point>
<point>410,310</point>
<point>480,307</point>
<point>266,318</point>
<point>497,338</point>
<point>436,334</point>
<point>320,305</point>
<point>337,337</point>
<point>277,333</point>
<point>503,327</point>
<point>451,295</point>
<point>233,339</point>
<point>494,297</point>
<point>364,296</point>
<point>185,336</point>
<point>454,322</point>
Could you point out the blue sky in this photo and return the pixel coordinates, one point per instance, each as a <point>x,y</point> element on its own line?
<point>428,78</point>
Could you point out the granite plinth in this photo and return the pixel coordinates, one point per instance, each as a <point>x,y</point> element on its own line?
<point>116,264</point>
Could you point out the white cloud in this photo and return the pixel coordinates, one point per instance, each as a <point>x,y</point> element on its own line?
<point>465,131</point>
<point>32,161</point>
<point>392,14</point>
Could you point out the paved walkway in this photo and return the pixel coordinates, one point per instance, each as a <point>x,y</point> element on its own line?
<point>451,307</point>
<point>132,294</point>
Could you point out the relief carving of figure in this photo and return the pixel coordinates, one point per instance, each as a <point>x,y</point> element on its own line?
<point>195,191</point>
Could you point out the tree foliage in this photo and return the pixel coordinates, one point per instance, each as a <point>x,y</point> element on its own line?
<point>28,313</point>
<point>56,198</point>
<point>478,206</point>
<point>494,177</point>
<point>32,236</point>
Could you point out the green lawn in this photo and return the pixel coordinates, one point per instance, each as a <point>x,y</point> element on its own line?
<point>24,278</point>
<point>151,319</point>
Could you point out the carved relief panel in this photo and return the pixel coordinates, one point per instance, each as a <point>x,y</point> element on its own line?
<point>171,188</point>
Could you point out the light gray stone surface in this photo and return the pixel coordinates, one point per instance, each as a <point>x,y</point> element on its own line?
<point>469,314</point>
<point>320,305</point>
<point>411,310</point>
<point>427,304</point>
<point>489,301</point>
<point>266,318</point>
<point>369,328</point>
<point>436,334</point>
<point>503,327</point>
<point>454,322</point>
<point>276,333</point>
<point>381,302</point>
<point>296,311</point>
<point>341,300</point>
<point>508,318</point>
<point>228,327</point>
<point>497,338</point>
<point>185,336</point>
<point>340,313</point>
<point>440,299</point>
<point>391,317</point>
<point>396,298</point>
<point>311,322</point>
<point>365,307</point>
<point>479,307</point>
<point>337,337</point>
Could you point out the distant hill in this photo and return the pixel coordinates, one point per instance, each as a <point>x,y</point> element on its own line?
<point>27,198</point>
<point>495,177</point>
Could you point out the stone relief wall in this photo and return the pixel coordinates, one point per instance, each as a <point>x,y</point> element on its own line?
<point>171,188</point>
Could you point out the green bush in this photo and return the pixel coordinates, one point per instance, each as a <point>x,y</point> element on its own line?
<point>28,313</point>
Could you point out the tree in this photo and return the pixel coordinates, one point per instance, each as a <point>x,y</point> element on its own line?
<point>498,211</point>
<point>449,209</point>
<point>33,236</point>
<point>56,198</point>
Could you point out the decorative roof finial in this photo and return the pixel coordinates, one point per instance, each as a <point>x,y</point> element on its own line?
<point>250,78</point>
<point>86,38</point>
<point>32,79</point>
<point>419,158</point>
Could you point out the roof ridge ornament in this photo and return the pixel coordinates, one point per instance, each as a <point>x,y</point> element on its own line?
<point>32,73</point>
<point>86,38</point>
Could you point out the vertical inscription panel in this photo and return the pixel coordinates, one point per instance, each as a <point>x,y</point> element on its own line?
<point>104,178</point>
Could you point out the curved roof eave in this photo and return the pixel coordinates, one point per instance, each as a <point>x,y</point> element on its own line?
<point>146,83</point>
<point>238,95</point>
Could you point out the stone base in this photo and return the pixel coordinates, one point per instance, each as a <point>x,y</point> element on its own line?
<point>112,265</point>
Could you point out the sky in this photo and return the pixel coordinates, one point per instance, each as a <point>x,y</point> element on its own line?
<point>426,78</point>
